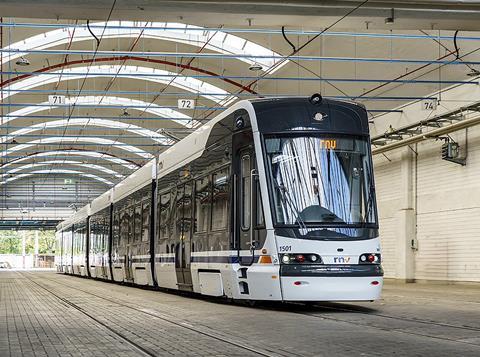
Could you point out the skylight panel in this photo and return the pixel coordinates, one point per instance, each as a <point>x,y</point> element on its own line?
<point>215,40</point>
<point>192,85</point>
<point>62,162</point>
<point>93,154</point>
<point>89,121</point>
<point>154,109</point>
<point>59,139</point>
<point>58,171</point>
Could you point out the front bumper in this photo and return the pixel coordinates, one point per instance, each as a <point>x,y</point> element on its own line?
<point>331,283</point>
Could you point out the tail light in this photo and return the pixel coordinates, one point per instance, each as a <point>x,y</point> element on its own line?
<point>301,258</point>
<point>370,258</point>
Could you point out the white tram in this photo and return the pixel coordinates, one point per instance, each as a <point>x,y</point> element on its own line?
<point>273,199</point>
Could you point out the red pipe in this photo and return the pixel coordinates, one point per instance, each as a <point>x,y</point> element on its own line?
<point>124,58</point>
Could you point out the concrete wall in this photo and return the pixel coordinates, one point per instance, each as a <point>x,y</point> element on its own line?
<point>17,261</point>
<point>429,211</point>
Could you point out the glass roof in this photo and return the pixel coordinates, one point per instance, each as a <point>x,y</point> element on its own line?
<point>62,162</point>
<point>59,171</point>
<point>189,84</point>
<point>112,124</point>
<point>59,139</point>
<point>135,104</point>
<point>214,40</point>
<point>61,153</point>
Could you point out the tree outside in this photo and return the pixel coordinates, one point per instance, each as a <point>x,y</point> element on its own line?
<point>11,242</point>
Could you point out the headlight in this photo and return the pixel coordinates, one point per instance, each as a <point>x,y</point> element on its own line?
<point>302,258</point>
<point>370,258</point>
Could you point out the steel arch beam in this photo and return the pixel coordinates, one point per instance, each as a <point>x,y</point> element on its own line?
<point>104,170</point>
<point>127,163</point>
<point>126,58</point>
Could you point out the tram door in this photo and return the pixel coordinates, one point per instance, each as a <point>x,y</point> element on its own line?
<point>246,198</point>
<point>183,225</point>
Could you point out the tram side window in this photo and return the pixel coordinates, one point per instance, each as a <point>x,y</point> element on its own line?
<point>164,209</point>
<point>145,221</point>
<point>220,199</point>
<point>130,224</point>
<point>138,223</point>
<point>259,216</point>
<point>245,192</point>
<point>158,212</point>
<point>179,211</point>
<point>172,214</point>
<point>124,219</point>
<point>187,209</point>
<point>202,203</point>
<point>116,229</point>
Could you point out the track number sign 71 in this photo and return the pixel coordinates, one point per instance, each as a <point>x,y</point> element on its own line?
<point>56,99</point>
<point>186,104</point>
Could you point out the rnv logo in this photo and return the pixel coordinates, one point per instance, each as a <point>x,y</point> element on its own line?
<point>341,259</point>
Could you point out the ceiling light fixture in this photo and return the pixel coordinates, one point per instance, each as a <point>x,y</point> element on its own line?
<point>473,73</point>
<point>390,20</point>
<point>22,61</point>
<point>255,67</point>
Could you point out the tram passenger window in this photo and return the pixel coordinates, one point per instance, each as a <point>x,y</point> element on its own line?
<point>157,221</point>
<point>187,209</point>
<point>220,199</point>
<point>124,223</point>
<point>179,212</point>
<point>164,210</point>
<point>245,192</point>
<point>116,230</point>
<point>130,224</point>
<point>259,216</point>
<point>172,213</point>
<point>145,221</point>
<point>202,203</point>
<point>138,223</point>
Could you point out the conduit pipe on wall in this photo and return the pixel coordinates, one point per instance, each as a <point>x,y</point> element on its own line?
<point>429,135</point>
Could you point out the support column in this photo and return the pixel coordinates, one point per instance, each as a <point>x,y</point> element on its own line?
<point>24,243</point>
<point>406,220</point>
<point>35,261</point>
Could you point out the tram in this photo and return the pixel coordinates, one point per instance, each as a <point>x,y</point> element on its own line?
<point>274,199</point>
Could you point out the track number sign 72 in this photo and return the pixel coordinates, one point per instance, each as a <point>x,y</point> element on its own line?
<point>186,104</point>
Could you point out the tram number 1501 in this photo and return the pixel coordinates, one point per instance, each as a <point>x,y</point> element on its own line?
<point>285,248</point>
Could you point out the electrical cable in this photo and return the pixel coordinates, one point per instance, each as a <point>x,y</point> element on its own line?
<point>286,58</point>
<point>89,30</point>
<point>286,39</point>
<point>455,44</point>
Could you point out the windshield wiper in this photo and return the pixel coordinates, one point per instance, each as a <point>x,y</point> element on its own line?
<point>285,199</point>
<point>371,195</point>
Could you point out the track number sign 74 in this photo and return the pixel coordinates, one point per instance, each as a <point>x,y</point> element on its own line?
<point>429,104</point>
<point>186,104</point>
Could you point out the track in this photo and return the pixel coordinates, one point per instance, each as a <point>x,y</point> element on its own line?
<point>299,309</point>
<point>362,310</point>
<point>302,309</point>
<point>144,351</point>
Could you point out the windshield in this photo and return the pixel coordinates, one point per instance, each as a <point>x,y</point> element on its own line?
<point>321,181</point>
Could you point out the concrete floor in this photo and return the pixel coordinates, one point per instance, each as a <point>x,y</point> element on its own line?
<point>47,314</point>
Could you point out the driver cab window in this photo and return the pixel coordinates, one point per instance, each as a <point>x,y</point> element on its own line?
<point>245,191</point>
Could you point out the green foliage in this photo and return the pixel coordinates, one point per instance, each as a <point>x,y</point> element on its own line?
<point>11,242</point>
